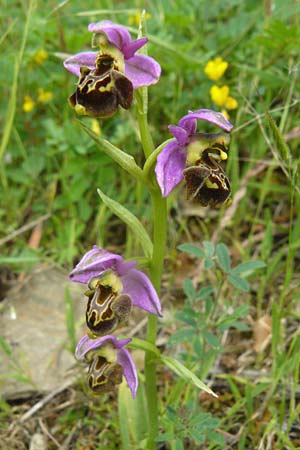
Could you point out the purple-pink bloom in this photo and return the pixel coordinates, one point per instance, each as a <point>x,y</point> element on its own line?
<point>171,162</point>
<point>88,349</point>
<point>134,282</point>
<point>142,70</point>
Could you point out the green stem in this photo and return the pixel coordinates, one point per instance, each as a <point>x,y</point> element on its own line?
<point>159,205</point>
<point>159,208</point>
<point>142,117</point>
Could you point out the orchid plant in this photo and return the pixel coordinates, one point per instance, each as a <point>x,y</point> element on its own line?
<point>115,75</point>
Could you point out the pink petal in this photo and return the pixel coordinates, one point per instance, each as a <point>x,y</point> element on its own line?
<point>129,49</point>
<point>179,133</point>
<point>117,34</point>
<point>216,118</point>
<point>169,167</point>
<point>129,370</point>
<point>93,263</point>
<point>143,295</point>
<point>78,60</point>
<point>142,70</point>
<point>86,344</point>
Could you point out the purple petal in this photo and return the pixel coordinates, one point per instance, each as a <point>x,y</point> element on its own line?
<point>129,370</point>
<point>143,295</point>
<point>93,263</point>
<point>123,267</point>
<point>142,70</point>
<point>208,115</point>
<point>117,34</point>
<point>129,49</point>
<point>85,344</point>
<point>78,60</point>
<point>169,167</point>
<point>179,133</point>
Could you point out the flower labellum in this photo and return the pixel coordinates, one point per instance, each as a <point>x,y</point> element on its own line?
<point>106,308</point>
<point>100,91</point>
<point>123,279</point>
<point>108,361</point>
<point>207,182</point>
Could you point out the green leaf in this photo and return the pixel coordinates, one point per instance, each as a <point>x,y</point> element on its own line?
<point>208,263</point>
<point>223,257</point>
<point>124,160</point>
<point>192,250</point>
<point>211,339</point>
<point>185,335</point>
<point>189,289</point>
<point>5,347</point>
<point>248,266</point>
<point>179,444</point>
<point>22,259</point>
<point>162,437</point>
<point>131,221</point>
<point>185,373</point>
<point>209,248</point>
<point>204,293</point>
<point>146,346</point>
<point>238,282</point>
<point>132,416</point>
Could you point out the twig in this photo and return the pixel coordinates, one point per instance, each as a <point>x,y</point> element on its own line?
<point>48,434</point>
<point>44,401</point>
<point>24,228</point>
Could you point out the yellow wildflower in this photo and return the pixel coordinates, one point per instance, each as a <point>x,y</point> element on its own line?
<point>28,104</point>
<point>135,19</point>
<point>220,96</point>
<point>44,96</point>
<point>96,127</point>
<point>40,56</point>
<point>215,68</point>
<point>231,103</point>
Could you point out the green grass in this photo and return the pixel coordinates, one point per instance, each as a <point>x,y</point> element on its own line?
<point>50,166</point>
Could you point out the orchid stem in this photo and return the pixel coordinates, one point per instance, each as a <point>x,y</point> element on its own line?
<point>156,270</point>
<point>142,118</point>
<point>159,213</point>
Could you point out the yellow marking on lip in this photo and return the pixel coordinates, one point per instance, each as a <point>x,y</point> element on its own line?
<point>211,185</point>
<point>108,87</point>
<point>223,155</point>
<point>80,110</point>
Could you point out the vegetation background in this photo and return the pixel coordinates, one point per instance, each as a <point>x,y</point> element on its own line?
<point>247,337</point>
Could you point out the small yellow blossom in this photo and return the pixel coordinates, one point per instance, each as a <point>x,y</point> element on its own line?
<point>215,68</point>
<point>135,19</point>
<point>44,96</point>
<point>219,95</point>
<point>231,103</point>
<point>96,127</point>
<point>28,104</point>
<point>40,56</point>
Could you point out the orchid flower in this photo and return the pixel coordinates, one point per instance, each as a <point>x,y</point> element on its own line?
<point>108,362</point>
<point>188,147</point>
<point>124,279</point>
<point>141,70</point>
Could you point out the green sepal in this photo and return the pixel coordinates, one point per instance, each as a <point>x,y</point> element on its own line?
<point>185,374</point>
<point>127,162</point>
<point>131,221</point>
